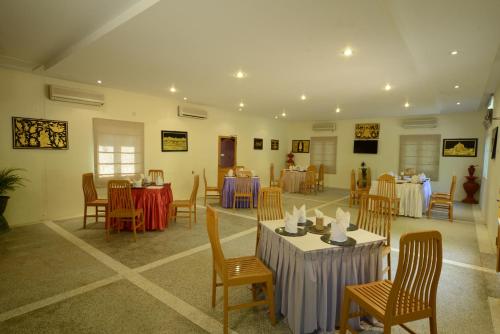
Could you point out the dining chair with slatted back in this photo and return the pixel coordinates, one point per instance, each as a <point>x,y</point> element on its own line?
<point>122,209</point>
<point>272,181</point>
<point>210,191</point>
<point>412,295</point>
<point>443,201</point>
<point>243,191</point>
<point>154,173</point>
<point>387,187</point>
<point>269,207</point>
<point>246,270</point>
<point>187,206</point>
<point>309,184</point>
<point>320,180</point>
<point>374,215</point>
<point>90,200</point>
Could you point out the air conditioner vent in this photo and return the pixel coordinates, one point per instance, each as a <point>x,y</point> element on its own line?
<point>191,112</point>
<point>417,123</point>
<point>73,95</point>
<point>323,126</point>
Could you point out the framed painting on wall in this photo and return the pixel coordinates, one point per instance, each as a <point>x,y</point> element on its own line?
<point>494,137</point>
<point>367,131</point>
<point>174,141</point>
<point>39,133</point>
<point>460,147</point>
<point>275,144</point>
<point>300,146</point>
<point>258,143</point>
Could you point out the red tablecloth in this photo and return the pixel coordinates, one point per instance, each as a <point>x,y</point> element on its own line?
<point>155,202</point>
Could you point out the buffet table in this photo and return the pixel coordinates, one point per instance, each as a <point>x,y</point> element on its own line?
<point>311,274</point>
<point>228,193</point>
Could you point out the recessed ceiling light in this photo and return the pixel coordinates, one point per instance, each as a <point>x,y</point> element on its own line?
<point>173,89</point>
<point>242,104</point>
<point>387,87</point>
<point>303,97</point>
<point>454,52</point>
<point>457,86</point>
<point>240,74</point>
<point>283,114</point>
<point>99,82</point>
<point>458,103</point>
<point>407,104</point>
<point>347,52</point>
<point>185,98</point>
<point>337,110</point>
<point>275,116</point>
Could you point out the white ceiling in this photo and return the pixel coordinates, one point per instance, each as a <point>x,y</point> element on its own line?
<point>287,47</point>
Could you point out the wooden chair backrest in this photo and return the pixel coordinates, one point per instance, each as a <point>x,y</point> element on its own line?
<point>311,168</point>
<point>243,185</point>
<point>194,191</point>
<point>375,215</point>
<point>270,205</point>
<point>310,177</point>
<point>213,235</point>
<point>120,195</point>
<point>154,173</point>
<point>205,178</point>
<point>386,186</point>
<point>321,172</point>
<point>453,187</point>
<point>419,268</point>
<point>89,191</point>
<point>353,180</point>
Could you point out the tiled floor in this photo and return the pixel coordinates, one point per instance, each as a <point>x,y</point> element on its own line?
<point>60,278</point>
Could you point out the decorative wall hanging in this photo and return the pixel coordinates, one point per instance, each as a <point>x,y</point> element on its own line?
<point>275,144</point>
<point>258,143</point>
<point>39,133</point>
<point>367,131</point>
<point>174,141</point>
<point>494,136</point>
<point>300,146</point>
<point>460,147</point>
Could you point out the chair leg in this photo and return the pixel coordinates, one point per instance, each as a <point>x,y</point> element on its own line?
<point>190,212</point>
<point>270,299</point>
<point>389,266</point>
<point>344,315</point>
<point>214,285</point>
<point>387,328</point>
<point>195,220</point>
<point>96,213</point>
<point>226,306</point>
<point>85,216</point>
<point>429,210</point>
<point>450,213</point>
<point>133,229</point>
<point>433,323</point>
<point>143,223</point>
<point>234,202</point>
<point>205,198</point>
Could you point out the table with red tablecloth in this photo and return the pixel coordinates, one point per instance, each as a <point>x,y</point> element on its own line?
<point>155,201</point>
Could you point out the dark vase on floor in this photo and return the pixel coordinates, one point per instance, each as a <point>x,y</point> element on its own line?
<point>471,186</point>
<point>4,226</point>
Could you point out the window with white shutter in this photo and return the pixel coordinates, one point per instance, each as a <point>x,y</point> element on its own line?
<point>323,150</point>
<point>421,152</point>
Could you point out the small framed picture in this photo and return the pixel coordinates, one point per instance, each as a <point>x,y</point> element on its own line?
<point>174,141</point>
<point>300,146</point>
<point>275,144</point>
<point>460,147</point>
<point>258,143</point>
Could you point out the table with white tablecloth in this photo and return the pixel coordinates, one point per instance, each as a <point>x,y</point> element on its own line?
<point>413,197</point>
<point>291,180</point>
<point>311,275</point>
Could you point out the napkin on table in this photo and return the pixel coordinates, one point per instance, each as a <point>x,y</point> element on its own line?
<point>300,213</point>
<point>230,172</point>
<point>339,226</point>
<point>252,172</point>
<point>422,177</point>
<point>290,223</point>
<point>159,181</point>
<point>415,179</point>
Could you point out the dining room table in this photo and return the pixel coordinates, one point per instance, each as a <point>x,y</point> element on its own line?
<point>413,197</point>
<point>155,201</point>
<point>228,193</point>
<point>311,274</point>
<point>291,180</point>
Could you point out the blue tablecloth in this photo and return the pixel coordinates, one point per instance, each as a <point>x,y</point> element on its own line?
<point>228,193</point>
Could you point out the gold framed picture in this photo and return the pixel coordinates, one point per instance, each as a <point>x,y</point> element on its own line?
<point>300,146</point>
<point>367,131</point>
<point>174,141</point>
<point>39,133</point>
<point>275,144</point>
<point>460,147</point>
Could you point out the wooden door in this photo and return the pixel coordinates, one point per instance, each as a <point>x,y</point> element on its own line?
<point>227,157</point>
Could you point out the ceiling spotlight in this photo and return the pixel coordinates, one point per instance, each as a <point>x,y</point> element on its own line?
<point>458,103</point>
<point>99,82</point>
<point>173,89</point>
<point>407,105</point>
<point>347,52</point>
<point>283,114</point>
<point>337,110</point>
<point>388,87</point>
<point>456,86</point>
<point>303,97</point>
<point>240,74</point>
<point>242,104</point>
<point>454,52</point>
<point>185,98</point>
<point>276,117</point>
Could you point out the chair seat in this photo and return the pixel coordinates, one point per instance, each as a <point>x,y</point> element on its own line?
<point>211,188</point>
<point>183,202</point>
<point>247,268</point>
<point>441,201</point>
<point>98,202</point>
<point>124,213</point>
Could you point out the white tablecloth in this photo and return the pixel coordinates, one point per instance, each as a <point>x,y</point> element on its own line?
<point>414,197</point>
<point>291,180</point>
<point>311,274</point>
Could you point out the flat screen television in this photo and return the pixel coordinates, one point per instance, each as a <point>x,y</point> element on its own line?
<point>366,146</point>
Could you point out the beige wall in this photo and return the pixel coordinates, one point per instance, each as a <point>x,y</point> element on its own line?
<point>54,189</point>
<point>463,125</point>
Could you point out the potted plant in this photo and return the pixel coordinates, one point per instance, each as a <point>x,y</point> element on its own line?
<point>9,181</point>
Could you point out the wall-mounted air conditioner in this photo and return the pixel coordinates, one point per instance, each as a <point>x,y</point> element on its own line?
<point>323,126</point>
<point>417,123</point>
<point>73,95</point>
<point>191,112</point>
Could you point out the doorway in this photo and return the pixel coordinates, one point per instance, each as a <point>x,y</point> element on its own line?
<point>226,158</point>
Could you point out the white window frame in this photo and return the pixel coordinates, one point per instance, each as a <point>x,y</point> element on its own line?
<point>426,154</point>
<point>316,158</point>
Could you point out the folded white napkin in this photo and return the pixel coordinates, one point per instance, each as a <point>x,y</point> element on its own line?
<point>339,226</point>
<point>291,223</point>
<point>253,172</point>
<point>415,179</point>
<point>148,179</point>
<point>159,181</point>
<point>230,172</point>
<point>300,213</point>
<point>137,183</point>
<point>318,213</point>
<point>422,177</point>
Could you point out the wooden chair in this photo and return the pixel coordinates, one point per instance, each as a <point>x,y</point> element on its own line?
<point>269,207</point>
<point>387,188</point>
<point>309,184</point>
<point>443,201</point>
<point>320,180</point>
<point>188,204</point>
<point>90,199</point>
<point>214,190</point>
<point>412,295</point>
<point>272,182</point>
<point>243,190</point>
<point>355,192</point>
<point>121,208</point>
<point>375,216</point>
<point>247,270</point>
<point>154,173</point>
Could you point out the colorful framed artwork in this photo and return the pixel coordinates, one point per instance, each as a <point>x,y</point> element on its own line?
<point>300,146</point>
<point>367,131</point>
<point>460,147</point>
<point>494,135</point>
<point>39,133</point>
<point>258,143</point>
<point>275,144</point>
<point>174,141</point>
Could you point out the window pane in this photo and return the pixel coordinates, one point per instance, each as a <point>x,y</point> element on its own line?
<point>106,148</point>
<point>106,169</point>
<point>127,169</point>
<point>127,158</point>
<point>106,158</point>
<point>127,149</point>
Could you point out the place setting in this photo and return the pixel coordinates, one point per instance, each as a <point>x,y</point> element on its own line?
<point>339,227</point>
